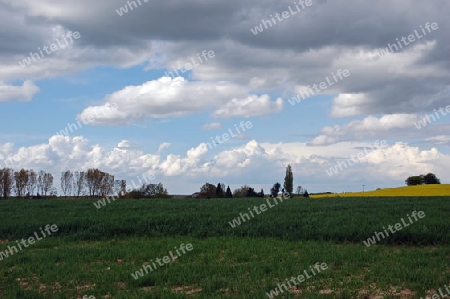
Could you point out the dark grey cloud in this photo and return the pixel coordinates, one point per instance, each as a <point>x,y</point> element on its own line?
<point>298,51</point>
<point>334,23</point>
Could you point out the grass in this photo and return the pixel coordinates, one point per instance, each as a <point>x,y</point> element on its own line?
<point>95,251</point>
<point>421,190</point>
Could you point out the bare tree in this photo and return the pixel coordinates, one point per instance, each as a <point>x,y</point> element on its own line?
<point>32,182</point>
<point>116,188</point>
<point>90,181</point>
<point>107,184</point>
<point>21,180</point>
<point>40,182</point>
<point>99,182</point>
<point>66,182</point>
<point>6,182</point>
<point>1,182</point>
<point>48,183</point>
<point>123,187</point>
<point>79,182</point>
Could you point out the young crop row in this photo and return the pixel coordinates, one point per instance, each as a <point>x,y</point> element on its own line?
<point>338,220</point>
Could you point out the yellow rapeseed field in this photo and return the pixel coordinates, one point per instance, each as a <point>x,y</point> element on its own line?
<point>423,190</point>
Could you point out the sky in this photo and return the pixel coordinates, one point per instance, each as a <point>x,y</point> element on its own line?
<point>349,93</point>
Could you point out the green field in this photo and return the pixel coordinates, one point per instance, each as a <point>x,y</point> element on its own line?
<point>95,251</point>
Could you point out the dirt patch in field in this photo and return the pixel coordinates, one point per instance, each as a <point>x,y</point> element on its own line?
<point>226,291</point>
<point>26,284</point>
<point>431,292</point>
<point>56,286</point>
<point>85,287</point>
<point>326,291</point>
<point>295,290</point>
<point>188,290</point>
<point>4,241</point>
<point>121,285</point>
<point>42,288</point>
<point>394,291</point>
<point>23,282</point>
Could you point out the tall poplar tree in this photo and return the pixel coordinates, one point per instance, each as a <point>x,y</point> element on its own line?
<point>228,194</point>
<point>289,180</point>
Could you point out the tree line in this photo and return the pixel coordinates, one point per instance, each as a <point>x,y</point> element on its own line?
<point>92,183</point>
<point>25,183</point>
<point>28,183</point>
<point>96,183</point>
<point>211,191</point>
